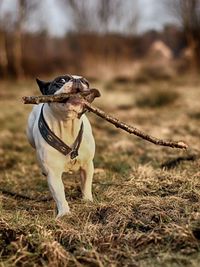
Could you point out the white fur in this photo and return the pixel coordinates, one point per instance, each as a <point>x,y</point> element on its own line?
<point>63,121</point>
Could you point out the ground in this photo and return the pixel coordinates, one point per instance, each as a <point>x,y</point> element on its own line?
<point>146,198</point>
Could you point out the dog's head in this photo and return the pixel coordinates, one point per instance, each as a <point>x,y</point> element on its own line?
<point>73,107</point>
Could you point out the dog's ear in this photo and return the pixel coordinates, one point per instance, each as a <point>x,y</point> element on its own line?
<point>44,86</point>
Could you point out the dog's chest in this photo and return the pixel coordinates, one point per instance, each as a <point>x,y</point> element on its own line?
<point>72,165</point>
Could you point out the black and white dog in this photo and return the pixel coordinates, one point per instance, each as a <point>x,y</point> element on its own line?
<point>63,138</point>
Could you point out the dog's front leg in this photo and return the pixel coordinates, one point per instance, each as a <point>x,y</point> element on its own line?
<point>86,173</point>
<point>57,189</point>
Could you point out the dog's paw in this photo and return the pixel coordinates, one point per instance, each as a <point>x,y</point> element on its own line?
<point>62,212</point>
<point>88,198</point>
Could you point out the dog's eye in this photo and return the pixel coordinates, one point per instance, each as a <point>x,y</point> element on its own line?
<point>68,78</point>
<point>62,80</point>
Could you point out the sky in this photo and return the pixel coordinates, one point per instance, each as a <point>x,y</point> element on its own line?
<point>153,15</point>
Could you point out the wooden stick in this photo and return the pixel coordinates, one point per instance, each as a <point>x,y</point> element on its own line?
<point>132,130</point>
<point>128,128</point>
<point>50,98</point>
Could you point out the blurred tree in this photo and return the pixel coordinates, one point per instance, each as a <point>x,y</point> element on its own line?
<point>17,46</point>
<point>188,14</point>
<point>118,13</point>
<point>106,10</point>
<point>103,16</point>
<point>3,54</point>
<point>25,7</point>
<point>11,34</point>
<point>81,15</point>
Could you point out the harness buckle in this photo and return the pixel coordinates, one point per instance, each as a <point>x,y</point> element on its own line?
<point>74,154</point>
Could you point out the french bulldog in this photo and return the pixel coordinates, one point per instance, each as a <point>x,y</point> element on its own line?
<point>62,137</point>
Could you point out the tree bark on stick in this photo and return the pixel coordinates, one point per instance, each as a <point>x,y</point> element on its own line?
<point>128,128</point>
<point>46,98</point>
<point>88,95</point>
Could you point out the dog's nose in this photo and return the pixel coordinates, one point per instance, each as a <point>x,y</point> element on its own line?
<point>77,85</point>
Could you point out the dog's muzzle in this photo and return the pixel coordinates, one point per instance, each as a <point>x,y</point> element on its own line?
<point>78,86</point>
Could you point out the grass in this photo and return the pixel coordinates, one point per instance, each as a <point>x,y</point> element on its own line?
<point>146,198</point>
<point>158,99</point>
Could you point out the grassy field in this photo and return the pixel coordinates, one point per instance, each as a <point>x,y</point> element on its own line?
<point>146,209</point>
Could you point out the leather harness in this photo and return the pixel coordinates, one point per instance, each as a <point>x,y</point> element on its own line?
<point>56,142</point>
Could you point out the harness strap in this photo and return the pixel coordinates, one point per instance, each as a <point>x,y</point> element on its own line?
<point>56,142</point>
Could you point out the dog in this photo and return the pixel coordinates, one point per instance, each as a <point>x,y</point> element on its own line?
<point>62,137</point>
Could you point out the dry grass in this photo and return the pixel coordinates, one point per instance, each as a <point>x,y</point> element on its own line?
<point>147,198</point>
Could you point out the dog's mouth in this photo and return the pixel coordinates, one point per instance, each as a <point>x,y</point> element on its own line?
<point>76,99</point>
<point>72,100</point>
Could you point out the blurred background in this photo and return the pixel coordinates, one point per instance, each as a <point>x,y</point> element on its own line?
<point>144,57</point>
<point>107,39</point>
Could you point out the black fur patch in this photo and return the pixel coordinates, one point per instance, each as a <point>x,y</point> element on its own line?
<point>49,88</point>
